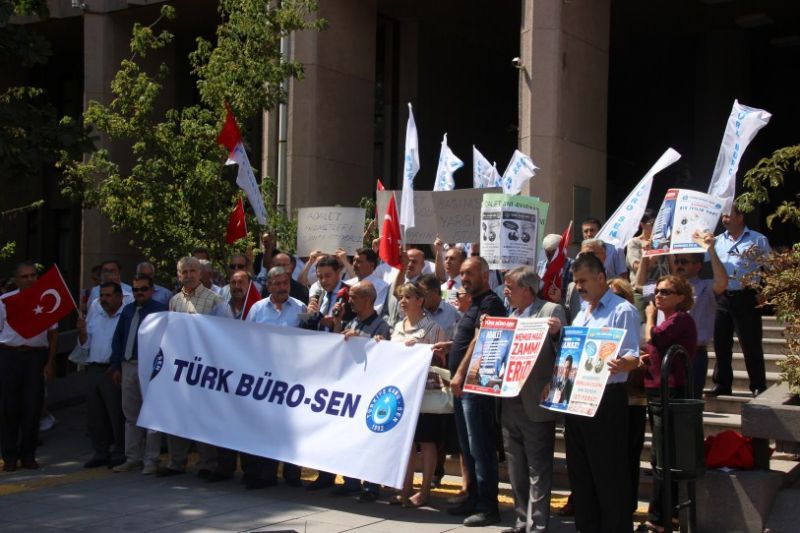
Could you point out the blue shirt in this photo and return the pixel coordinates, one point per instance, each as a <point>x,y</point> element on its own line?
<point>615,263</point>
<point>704,309</point>
<point>614,312</point>
<point>100,329</point>
<point>447,317</point>
<point>265,312</point>
<point>120,339</point>
<point>161,295</point>
<point>731,255</point>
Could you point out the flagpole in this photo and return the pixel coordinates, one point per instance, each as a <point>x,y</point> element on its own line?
<point>78,309</point>
<point>246,296</point>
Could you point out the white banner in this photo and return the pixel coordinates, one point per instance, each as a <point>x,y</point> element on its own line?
<point>743,124</point>
<point>519,170</point>
<point>448,164</point>
<point>624,223</point>
<point>684,217</point>
<point>484,174</point>
<point>247,182</point>
<point>304,397</point>
<point>329,228</point>
<point>410,169</point>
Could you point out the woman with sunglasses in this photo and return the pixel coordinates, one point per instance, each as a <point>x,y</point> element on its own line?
<point>674,298</point>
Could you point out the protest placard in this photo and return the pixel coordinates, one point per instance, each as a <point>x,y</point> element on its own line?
<point>512,228</point>
<point>329,228</point>
<point>504,355</point>
<point>453,216</point>
<point>581,371</point>
<point>682,220</point>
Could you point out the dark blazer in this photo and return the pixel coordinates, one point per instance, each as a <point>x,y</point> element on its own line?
<point>120,338</point>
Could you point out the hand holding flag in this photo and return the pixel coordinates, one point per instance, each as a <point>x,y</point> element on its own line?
<point>552,275</point>
<point>41,305</point>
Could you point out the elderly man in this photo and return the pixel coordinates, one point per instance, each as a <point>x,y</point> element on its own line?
<point>528,429</point>
<point>110,270</point>
<point>142,446</point>
<point>237,289</point>
<point>279,309</point>
<point>366,323</point>
<point>24,366</point>
<point>297,290</point>
<point>238,263</point>
<point>739,248</point>
<point>440,311</point>
<point>597,447</point>
<point>193,298</point>
<point>448,264</point>
<point>207,276</point>
<point>474,413</point>
<point>160,294</point>
<point>103,397</point>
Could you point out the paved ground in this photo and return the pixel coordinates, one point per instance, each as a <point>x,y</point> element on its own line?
<point>62,496</point>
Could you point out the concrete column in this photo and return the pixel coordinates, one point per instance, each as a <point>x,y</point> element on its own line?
<point>331,126</point>
<point>563,103</point>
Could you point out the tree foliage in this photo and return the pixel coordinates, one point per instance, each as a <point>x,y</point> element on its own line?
<point>173,196</point>
<point>779,278</point>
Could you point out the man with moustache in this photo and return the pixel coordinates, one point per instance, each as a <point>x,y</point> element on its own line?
<point>412,263</point>
<point>597,447</point>
<point>103,397</point>
<point>237,288</point>
<point>614,261</point>
<point>279,309</point>
<point>142,446</point>
<point>475,414</point>
<point>160,294</point>
<point>365,261</point>
<point>110,270</point>
<point>529,431</point>
<point>572,299</point>
<point>297,290</point>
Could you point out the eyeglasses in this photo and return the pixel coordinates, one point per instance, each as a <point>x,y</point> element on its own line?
<point>460,295</point>
<point>141,289</point>
<point>237,266</point>
<point>664,292</point>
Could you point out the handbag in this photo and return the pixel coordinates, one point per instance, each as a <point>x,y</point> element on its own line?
<point>437,398</point>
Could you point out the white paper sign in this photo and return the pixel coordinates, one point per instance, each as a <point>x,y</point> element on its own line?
<point>684,217</point>
<point>293,395</point>
<point>510,229</point>
<point>329,228</point>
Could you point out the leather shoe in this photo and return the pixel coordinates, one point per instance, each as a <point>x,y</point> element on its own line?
<point>756,392</point>
<point>462,509</point>
<point>168,472</point>
<point>520,529</point>
<point>567,510</point>
<point>718,391</point>
<point>95,462</point>
<point>30,464</point>
<point>116,462</point>
<point>320,483</point>
<point>482,519</point>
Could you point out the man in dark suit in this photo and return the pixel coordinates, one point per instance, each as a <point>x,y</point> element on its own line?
<point>528,429</point>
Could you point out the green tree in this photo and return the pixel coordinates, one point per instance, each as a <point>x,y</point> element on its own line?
<point>173,198</point>
<point>780,274</point>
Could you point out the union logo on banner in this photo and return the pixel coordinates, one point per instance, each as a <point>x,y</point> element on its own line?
<point>385,410</point>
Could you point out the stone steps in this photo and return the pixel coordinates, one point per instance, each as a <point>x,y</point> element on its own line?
<point>741,383</point>
<point>770,361</point>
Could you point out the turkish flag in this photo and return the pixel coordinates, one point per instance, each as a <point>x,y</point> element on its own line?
<point>252,297</point>
<point>390,236</point>
<point>41,305</point>
<point>237,228</point>
<point>230,135</point>
<point>552,276</point>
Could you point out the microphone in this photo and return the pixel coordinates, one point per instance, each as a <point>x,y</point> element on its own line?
<point>342,297</point>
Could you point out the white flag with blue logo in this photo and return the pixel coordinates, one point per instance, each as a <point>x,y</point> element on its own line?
<point>484,174</point>
<point>410,169</point>
<point>448,164</point>
<point>743,124</point>
<point>519,170</point>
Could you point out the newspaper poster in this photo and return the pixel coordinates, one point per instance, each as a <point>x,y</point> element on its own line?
<point>504,355</point>
<point>684,217</point>
<point>329,228</point>
<point>511,230</point>
<point>581,372</point>
<point>450,296</point>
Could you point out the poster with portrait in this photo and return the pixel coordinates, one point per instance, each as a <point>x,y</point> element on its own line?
<point>581,371</point>
<point>504,355</point>
<point>683,219</point>
<point>511,230</point>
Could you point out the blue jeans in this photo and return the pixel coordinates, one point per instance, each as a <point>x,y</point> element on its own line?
<point>475,423</point>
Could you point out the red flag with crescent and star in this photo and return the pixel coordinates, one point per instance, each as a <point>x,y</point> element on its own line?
<point>41,305</point>
<point>390,236</point>
<point>237,228</point>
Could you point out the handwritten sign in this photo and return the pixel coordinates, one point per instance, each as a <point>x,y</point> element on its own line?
<point>453,216</point>
<point>329,228</point>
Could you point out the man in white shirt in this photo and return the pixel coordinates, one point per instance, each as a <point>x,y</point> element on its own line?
<point>103,396</point>
<point>364,264</point>
<point>448,265</point>
<point>110,270</point>
<point>440,311</point>
<point>24,366</point>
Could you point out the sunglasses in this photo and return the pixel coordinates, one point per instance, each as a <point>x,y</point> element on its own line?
<point>141,289</point>
<point>237,266</point>
<point>665,292</point>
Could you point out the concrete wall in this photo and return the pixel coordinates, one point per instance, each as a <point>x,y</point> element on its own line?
<point>562,98</point>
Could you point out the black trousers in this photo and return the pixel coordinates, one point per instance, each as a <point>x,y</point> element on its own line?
<point>104,407</point>
<point>22,386</point>
<point>637,420</point>
<point>598,465</point>
<point>736,312</point>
